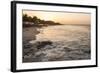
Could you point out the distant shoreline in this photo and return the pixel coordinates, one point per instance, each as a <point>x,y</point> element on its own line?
<point>78,24</point>
<point>39,26</point>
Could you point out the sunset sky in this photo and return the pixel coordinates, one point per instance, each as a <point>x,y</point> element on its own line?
<point>61,17</point>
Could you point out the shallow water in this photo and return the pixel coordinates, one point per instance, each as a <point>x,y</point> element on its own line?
<point>63,33</point>
<point>70,42</point>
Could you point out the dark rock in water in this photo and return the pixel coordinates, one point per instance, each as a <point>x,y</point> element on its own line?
<point>48,47</point>
<point>42,44</point>
<point>67,49</point>
<point>84,46</point>
<point>28,45</point>
<point>86,50</point>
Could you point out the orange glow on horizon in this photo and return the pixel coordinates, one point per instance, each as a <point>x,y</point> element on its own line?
<point>61,17</point>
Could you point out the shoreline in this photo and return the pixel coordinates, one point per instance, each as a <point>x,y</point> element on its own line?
<point>44,51</point>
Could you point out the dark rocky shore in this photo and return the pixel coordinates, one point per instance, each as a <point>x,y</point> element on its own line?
<point>53,51</point>
<point>43,51</point>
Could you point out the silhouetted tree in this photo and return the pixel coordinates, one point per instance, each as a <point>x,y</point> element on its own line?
<point>36,21</point>
<point>25,17</point>
<point>30,19</point>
